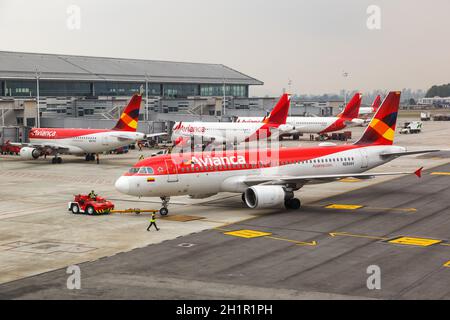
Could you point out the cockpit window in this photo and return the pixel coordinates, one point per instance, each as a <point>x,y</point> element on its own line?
<point>133,170</point>
<point>145,170</point>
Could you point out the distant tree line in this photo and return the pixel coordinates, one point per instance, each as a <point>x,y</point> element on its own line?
<point>439,91</point>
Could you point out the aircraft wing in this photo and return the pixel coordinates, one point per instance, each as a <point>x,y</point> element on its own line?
<point>406,153</point>
<point>151,135</point>
<point>207,137</point>
<point>302,180</point>
<point>54,147</point>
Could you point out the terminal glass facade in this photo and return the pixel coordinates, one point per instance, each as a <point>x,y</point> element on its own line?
<point>180,90</point>
<point>217,90</point>
<point>52,88</point>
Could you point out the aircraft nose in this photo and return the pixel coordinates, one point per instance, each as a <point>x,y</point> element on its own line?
<point>123,185</point>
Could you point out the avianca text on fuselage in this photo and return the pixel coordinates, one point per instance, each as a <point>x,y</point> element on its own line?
<point>218,161</point>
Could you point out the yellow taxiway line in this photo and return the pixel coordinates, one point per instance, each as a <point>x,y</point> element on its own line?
<point>346,234</point>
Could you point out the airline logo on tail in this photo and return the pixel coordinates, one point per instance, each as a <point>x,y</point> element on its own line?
<point>129,119</point>
<point>381,129</point>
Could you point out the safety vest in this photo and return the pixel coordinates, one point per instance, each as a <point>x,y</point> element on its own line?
<point>152,219</point>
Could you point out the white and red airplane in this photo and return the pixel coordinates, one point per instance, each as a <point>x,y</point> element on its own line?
<point>372,109</point>
<point>232,132</point>
<point>268,178</point>
<point>320,125</point>
<point>88,142</point>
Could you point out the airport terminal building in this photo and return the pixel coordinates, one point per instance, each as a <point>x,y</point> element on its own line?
<point>96,88</point>
<point>90,92</point>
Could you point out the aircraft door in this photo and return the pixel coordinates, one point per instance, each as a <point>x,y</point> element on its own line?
<point>364,158</point>
<point>172,171</point>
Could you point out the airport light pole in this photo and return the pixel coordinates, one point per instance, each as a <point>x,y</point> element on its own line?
<point>224,89</point>
<point>345,75</point>
<point>146,97</point>
<point>290,92</point>
<point>38,119</point>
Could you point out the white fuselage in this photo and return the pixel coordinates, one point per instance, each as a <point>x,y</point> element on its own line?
<point>356,160</point>
<point>307,124</point>
<point>92,143</point>
<point>366,110</point>
<point>219,131</point>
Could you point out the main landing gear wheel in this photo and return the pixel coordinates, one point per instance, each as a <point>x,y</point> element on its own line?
<point>57,160</point>
<point>165,203</point>
<point>293,204</point>
<point>89,157</point>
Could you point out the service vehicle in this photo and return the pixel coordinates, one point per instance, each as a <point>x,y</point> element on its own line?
<point>91,205</point>
<point>411,127</point>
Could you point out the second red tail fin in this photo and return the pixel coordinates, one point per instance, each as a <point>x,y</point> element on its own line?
<point>279,113</point>
<point>376,103</point>
<point>351,110</point>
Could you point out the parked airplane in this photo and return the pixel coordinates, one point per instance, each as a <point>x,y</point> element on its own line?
<point>268,178</point>
<point>231,132</point>
<point>320,125</point>
<point>88,142</point>
<point>372,109</point>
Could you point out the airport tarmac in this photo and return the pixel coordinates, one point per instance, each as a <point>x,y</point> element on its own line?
<point>192,254</point>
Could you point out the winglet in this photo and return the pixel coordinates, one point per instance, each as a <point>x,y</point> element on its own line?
<point>418,172</point>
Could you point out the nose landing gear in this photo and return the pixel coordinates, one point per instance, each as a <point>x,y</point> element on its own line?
<point>165,203</point>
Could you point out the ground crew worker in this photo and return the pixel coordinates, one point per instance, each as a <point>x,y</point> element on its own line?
<point>153,222</point>
<point>98,158</point>
<point>92,195</point>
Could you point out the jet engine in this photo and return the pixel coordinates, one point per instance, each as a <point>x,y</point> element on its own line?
<point>29,153</point>
<point>260,197</point>
<point>285,128</point>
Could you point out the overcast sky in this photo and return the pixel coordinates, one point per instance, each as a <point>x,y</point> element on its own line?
<point>311,42</point>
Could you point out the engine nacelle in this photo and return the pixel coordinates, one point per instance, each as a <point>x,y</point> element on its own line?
<point>286,128</point>
<point>259,197</point>
<point>29,153</point>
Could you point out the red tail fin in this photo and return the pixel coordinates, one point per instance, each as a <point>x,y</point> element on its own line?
<point>376,103</point>
<point>381,129</point>
<point>351,110</point>
<point>280,111</point>
<point>130,116</point>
